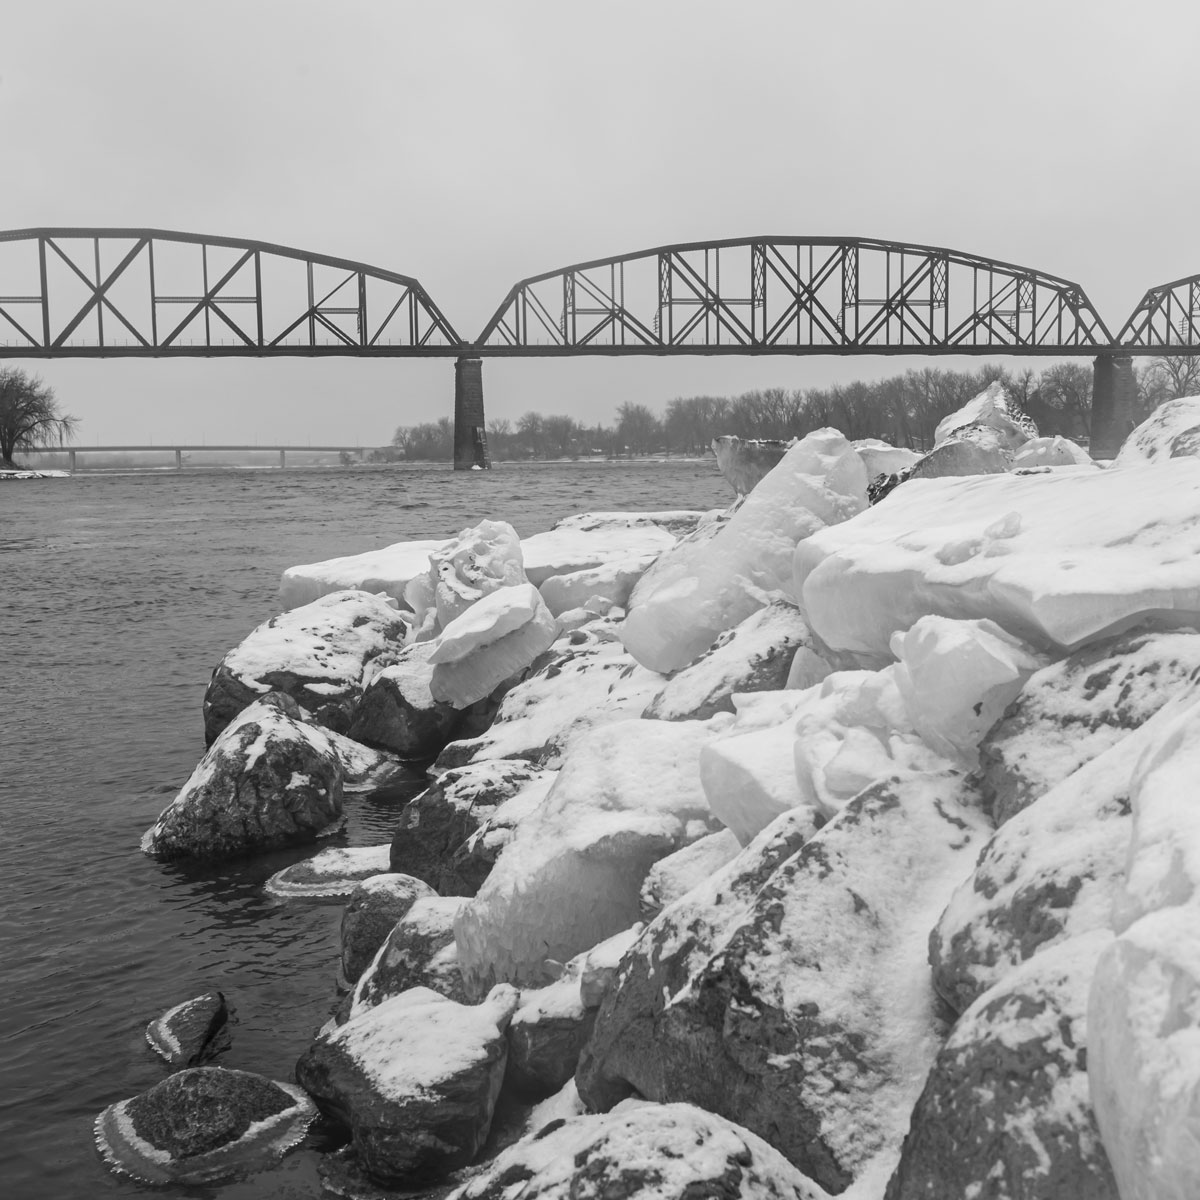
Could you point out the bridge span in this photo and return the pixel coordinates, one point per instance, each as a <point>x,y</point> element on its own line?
<point>179,450</point>
<point>106,292</point>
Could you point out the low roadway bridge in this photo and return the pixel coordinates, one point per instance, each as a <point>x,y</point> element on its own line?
<point>102,293</point>
<point>73,452</point>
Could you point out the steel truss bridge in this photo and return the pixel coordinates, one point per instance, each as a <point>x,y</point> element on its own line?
<point>100,293</point>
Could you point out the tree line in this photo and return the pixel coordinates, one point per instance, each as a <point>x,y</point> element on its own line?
<point>903,410</point>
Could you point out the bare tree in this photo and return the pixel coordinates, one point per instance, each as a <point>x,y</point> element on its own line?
<point>29,414</point>
<point>1169,377</point>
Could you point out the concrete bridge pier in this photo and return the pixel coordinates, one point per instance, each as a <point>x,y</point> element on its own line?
<point>71,460</point>
<point>1114,402</point>
<point>470,435</point>
<point>179,460</point>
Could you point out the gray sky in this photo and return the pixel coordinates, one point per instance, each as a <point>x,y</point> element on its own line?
<point>472,144</point>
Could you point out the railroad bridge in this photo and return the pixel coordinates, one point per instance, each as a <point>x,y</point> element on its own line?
<point>103,293</point>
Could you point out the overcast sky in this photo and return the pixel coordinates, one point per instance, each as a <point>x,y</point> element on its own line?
<point>472,144</point>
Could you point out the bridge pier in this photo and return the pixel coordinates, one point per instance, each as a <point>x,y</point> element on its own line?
<point>1114,400</point>
<point>71,461</point>
<point>179,460</point>
<point>282,459</point>
<point>470,434</point>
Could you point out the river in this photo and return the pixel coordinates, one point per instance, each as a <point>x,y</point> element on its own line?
<point>119,595</point>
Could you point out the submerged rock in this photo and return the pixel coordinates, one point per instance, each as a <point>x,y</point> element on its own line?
<point>193,1032</point>
<point>201,1125</point>
<point>371,913</point>
<point>329,875</point>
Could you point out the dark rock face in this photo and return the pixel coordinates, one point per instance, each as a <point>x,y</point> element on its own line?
<point>193,1032</point>
<point>545,1038</point>
<point>371,914</point>
<point>652,1152</point>
<point>1005,1111</point>
<point>416,1081</point>
<point>778,1008</point>
<point>202,1124</point>
<point>397,711</point>
<point>432,835</point>
<point>316,654</point>
<point>752,657</point>
<point>1072,711</point>
<point>267,782</point>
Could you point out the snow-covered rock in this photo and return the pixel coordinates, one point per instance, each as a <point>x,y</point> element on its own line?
<point>371,913</point>
<point>432,833</point>
<point>490,642</point>
<point>641,1152</point>
<point>1052,452</point>
<point>415,1079</point>
<point>1005,1110</point>
<point>1144,1055</point>
<point>754,656</point>
<point>191,1033</point>
<point>743,462</point>
<point>1070,712</point>
<point>593,540</point>
<point>317,654</point>
<point>676,875</point>
<point>702,588</point>
<point>545,1037</point>
<point>397,710</point>
<point>1058,559</point>
<point>329,875</point>
<point>1172,430</point>
<point>993,409</point>
<point>627,795</point>
<point>957,678</point>
<point>388,570</point>
<point>268,781</point>
<point>585,681</point>
<point>801,1009</point>
<point>419,952</point>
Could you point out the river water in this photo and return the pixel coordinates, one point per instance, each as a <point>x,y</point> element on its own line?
<point>118,595</point>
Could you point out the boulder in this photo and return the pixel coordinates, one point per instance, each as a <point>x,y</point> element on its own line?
<point>1172,430</point>
<point>754,656</point>
<point>388,570</point>
<point>397,711</point>
<point>1026,551</point>
<point>744,461</point>
<point>802,1010</point>
<point>628,794</point>
<point>316,654</point>
<point>330,875</point>
<point>419,952</point>
<point>701,588</point>
<point>1005,1110</point>
<point>415,1079</point>
<point>641,1152</point>
<point>674,876</point>
<point>202,1125</point>
<point>547,1033</point>
<point>268,781</point>
<point>193,1032</point>
<point>436,826</point>
<point>1070,712</point>
<point>371,913</point>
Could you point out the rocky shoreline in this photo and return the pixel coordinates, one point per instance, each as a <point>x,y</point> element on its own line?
<point>837,844</point>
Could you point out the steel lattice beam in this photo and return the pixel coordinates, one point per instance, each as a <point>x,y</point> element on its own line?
<point>1167,319</point>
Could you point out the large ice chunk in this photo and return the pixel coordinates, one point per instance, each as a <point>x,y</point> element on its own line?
<point>1052,452</point>
<point>389,570</point>
<point>579,544</point>
<point>993,409</point>
<point>1171,431</point>
<point>1057,559</point>
<point>700,589</point>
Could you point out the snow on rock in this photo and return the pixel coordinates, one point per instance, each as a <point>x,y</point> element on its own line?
<point>587,680</point>
<point>993,409</point>
<point>191,1033</point>
<point>547,1033</point>
<point>418,952</point>
<point>371,913</point>
<point>743,462</point>
<point>490,642</point>
<point>754,656</point>
<point>799,1005</point>
<point>880,458</point>
<point>1172,430</point>
<point>316,654</point>
<point>641,1152</point>
<point>612,581</point>
<point>461,572</point>
<point>434,829</point>
<point>676,875</point>
<point>702,588</point>
<point>388,570</point>
<point>1144,1055</point>
<point>1031,552</point>
<point>593,540</point>
<point>416,1080</point>
<point>1052,452</point>
<point>331,874</point>
<point>957,678</point>
<point>627,795</point>
<point>363,769</point>
<point>1070,712</point>
<point>268,781</point>
<point>397,711</point>
<point>1005,1110</point>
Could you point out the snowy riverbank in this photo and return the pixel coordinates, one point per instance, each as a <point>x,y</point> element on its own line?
<point>847,845</point>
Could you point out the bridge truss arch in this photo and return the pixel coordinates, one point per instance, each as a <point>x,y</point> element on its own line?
<point>1166,320</point>
<point>69,292</point>
<point>795,295</point>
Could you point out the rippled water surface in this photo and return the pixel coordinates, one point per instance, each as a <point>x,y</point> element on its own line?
<point>118,595</point>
